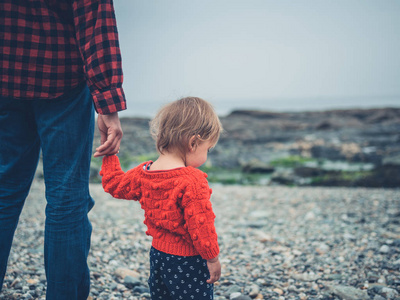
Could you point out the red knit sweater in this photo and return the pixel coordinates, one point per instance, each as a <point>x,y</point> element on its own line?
<point>178,211</point>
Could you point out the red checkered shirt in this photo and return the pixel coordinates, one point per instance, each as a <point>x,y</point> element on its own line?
<point>49,47</point>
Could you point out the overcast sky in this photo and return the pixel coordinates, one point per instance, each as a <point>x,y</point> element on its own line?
<point>267,54</point>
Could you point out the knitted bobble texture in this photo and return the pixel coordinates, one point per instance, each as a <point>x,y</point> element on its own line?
<point>178,211</point>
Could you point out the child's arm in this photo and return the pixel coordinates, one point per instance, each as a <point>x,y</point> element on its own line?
<point>199,218</point>
<point>116,182</point>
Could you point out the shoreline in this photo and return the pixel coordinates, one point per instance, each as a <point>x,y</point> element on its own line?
<point>276,241</point>
<point>358,147</point>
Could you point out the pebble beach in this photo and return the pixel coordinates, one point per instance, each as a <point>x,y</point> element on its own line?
<point>276,243</point>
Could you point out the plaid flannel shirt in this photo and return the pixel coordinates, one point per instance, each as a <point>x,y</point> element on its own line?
<point>49,47</point>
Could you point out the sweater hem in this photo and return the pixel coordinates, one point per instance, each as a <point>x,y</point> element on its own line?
<point>174,249</point>
<point>184,250</point>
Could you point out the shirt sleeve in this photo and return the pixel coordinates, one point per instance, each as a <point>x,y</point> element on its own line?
<point>97,37</point>
<point>199,218</point>
<point>116,182</point>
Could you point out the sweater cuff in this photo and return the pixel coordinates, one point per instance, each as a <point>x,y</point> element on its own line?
<point>110,163</point>
<point>109,101</point>
<point>209,253</point>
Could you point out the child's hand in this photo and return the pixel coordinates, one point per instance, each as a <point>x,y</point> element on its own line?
<point>214,266</point>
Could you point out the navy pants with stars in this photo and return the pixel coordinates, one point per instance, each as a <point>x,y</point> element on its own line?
<point>174,277</point>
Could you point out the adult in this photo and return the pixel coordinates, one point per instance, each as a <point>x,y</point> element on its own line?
<point>60,60</point>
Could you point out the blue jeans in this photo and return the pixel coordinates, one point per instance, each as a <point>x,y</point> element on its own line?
<point>63,130</point>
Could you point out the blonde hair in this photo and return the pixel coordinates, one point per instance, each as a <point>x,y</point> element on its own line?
<point>177,122</point>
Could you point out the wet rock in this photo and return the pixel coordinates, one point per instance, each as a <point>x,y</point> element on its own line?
<point>383,291</point>
<point>141,290</point>
<point>131,282</point>
<point>308,171</point>
<point>256,166</point>
<point>329,153</point>
<point>383,176</point>
<point>372,277</point>
<point>348,292</point>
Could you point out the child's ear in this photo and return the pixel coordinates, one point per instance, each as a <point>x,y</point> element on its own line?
<point>192,143</point>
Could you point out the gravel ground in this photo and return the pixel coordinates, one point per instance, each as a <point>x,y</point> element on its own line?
<point>276,243</point>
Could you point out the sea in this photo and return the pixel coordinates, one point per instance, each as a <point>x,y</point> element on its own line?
<point>138,108</point>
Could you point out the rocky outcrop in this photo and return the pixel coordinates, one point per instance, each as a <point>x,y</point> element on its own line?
<point>355,136</point>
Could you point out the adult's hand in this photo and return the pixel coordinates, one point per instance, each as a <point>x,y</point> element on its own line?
<point>110,134</point>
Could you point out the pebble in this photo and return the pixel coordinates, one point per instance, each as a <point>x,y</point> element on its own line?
<point>233,289</point>
<point>302,296</point>
<point>239,296</point>
<point>322,248</point>
<point>123,272</point>
<point>276,243</point>
<point>278,291</point>
<point>383,291</point>
<point>145,295</point>
<point>235,295</point>
<point>384,249</point>
<point>141,290</point>
<point>253,290</point>
<point>349,292</point>
<point>372,277</point>
<point>113,286</point>
<point>27,296</point>
<point>131,282</point>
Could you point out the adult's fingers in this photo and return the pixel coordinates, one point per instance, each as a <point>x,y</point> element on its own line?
<point>110,147</point>
<point>110,134</point>
<point>107,144</point>
<point>106,152</point>
<point>115,139</point>
<point>103,137</point>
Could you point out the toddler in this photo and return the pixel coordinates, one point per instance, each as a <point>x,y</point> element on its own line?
<point>175,197</point>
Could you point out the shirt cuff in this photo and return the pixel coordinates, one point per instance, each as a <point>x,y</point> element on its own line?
<point>109,101</point>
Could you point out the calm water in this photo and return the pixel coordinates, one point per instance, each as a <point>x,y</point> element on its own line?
<point>225,106</point>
